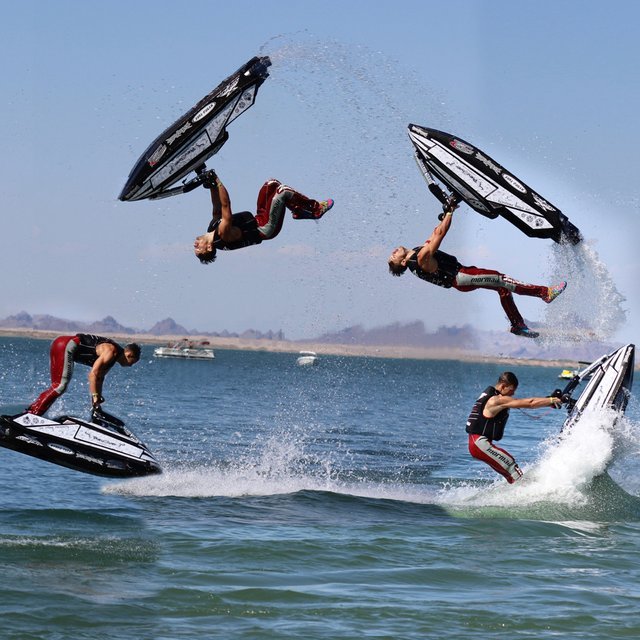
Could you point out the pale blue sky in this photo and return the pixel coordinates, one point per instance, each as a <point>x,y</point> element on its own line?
<point>549,89</point>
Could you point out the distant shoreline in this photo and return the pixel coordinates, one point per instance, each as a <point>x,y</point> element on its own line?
<point>285,346</point>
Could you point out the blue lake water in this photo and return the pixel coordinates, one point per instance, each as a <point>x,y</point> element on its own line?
<point>336,501</point>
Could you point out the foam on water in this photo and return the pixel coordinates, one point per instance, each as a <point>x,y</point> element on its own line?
<point>238,482</point>
<point>563,474</point>
<point>565,470</point>
<point>280,467</point>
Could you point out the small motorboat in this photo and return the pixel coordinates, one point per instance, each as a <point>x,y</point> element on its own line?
<point>307,358</point>
<point>185,349</point>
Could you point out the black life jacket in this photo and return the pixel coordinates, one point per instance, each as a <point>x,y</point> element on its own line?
<point>448,267</point>
<point>86,350</point>
<point>491,428</point>
<point>247,224</point>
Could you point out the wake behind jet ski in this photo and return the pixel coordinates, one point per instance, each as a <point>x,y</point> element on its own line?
<point>486,186</point>
<point>103,446</point>
<point>194,137</point>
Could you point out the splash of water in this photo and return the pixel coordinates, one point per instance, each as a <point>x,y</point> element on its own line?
<point>591,308</point>
<point>566,476</point>
<point>566,473</point>
<point>358,104</point>
<point>279,466</point>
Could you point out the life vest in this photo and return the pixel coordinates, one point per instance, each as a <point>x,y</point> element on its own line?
<point>491,428</point>
<point>445,276</point>
<point>248,226</point>
<point>86,351</point>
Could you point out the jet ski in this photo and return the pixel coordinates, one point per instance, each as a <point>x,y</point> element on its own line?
<point>194,137</point>
<point>102,447</point>
<point>472,176</point>
<point>609,385</point>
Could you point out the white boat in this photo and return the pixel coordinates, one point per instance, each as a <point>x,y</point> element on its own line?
<point>307,358</point>
<point>185,350</point>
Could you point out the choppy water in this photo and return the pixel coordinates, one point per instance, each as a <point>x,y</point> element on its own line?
<point>330,502</point>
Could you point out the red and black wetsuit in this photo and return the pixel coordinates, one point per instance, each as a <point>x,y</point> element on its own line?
<point>451,273</point>
<point>274,199</point>
<point>483,431</point>
<point>65,352</point>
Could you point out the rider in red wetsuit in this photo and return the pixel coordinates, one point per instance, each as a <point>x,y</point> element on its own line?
<point>228,231</point>
<point>487,421</point>
<point>93,351</point>
<point>437,267</point>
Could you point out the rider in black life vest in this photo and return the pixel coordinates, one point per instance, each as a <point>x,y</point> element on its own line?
<point>432,265</point>
<point>93,351</point>
<point>488,418</point>
<point>228,231</point>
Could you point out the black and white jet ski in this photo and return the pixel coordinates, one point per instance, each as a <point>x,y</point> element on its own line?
<point>472,176</point>
<point>102,447</point>
<point>609,380</point>
<point>194,137</point>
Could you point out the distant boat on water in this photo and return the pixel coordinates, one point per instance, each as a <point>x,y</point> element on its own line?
<point>569,374</point>
<point>185,349</point>
<point>307,358</point>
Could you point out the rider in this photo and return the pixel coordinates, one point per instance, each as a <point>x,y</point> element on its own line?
<point>432,265</point>
<point>229,231</point>
<point>93,351</point>
<point>488,418</point>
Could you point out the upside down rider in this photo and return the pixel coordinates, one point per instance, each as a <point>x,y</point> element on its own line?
<point>442,269</point>
<point>229,231</point>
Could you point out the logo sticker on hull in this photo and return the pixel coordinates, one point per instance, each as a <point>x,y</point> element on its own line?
<point>511,181</point>
<point>171,139</point>
<point>60,448</point>
<point>462,146</point>
<point>156,155</point>
<point>488,163</point>
<point>227,91</point>
<point>542,203</point>
<point>205,111</point>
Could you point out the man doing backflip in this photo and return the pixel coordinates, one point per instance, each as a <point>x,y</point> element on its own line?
<point>228,231</point>
<point>432,265</point>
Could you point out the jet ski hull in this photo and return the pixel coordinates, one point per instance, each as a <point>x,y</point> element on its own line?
<point>609,384</point>
<point>111,452</point>
<point>487,187</point>
<point>196,136</point>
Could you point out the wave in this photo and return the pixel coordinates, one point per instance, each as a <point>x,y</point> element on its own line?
<point>567,481</point>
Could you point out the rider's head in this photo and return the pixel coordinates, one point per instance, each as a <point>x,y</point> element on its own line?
<point>397,261</point>
<point>204,249</point>
<point>131,354</point>
<point>207,257</point>
<point>507,383</point>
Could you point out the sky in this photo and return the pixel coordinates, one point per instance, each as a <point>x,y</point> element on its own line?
<point>549,89</point>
